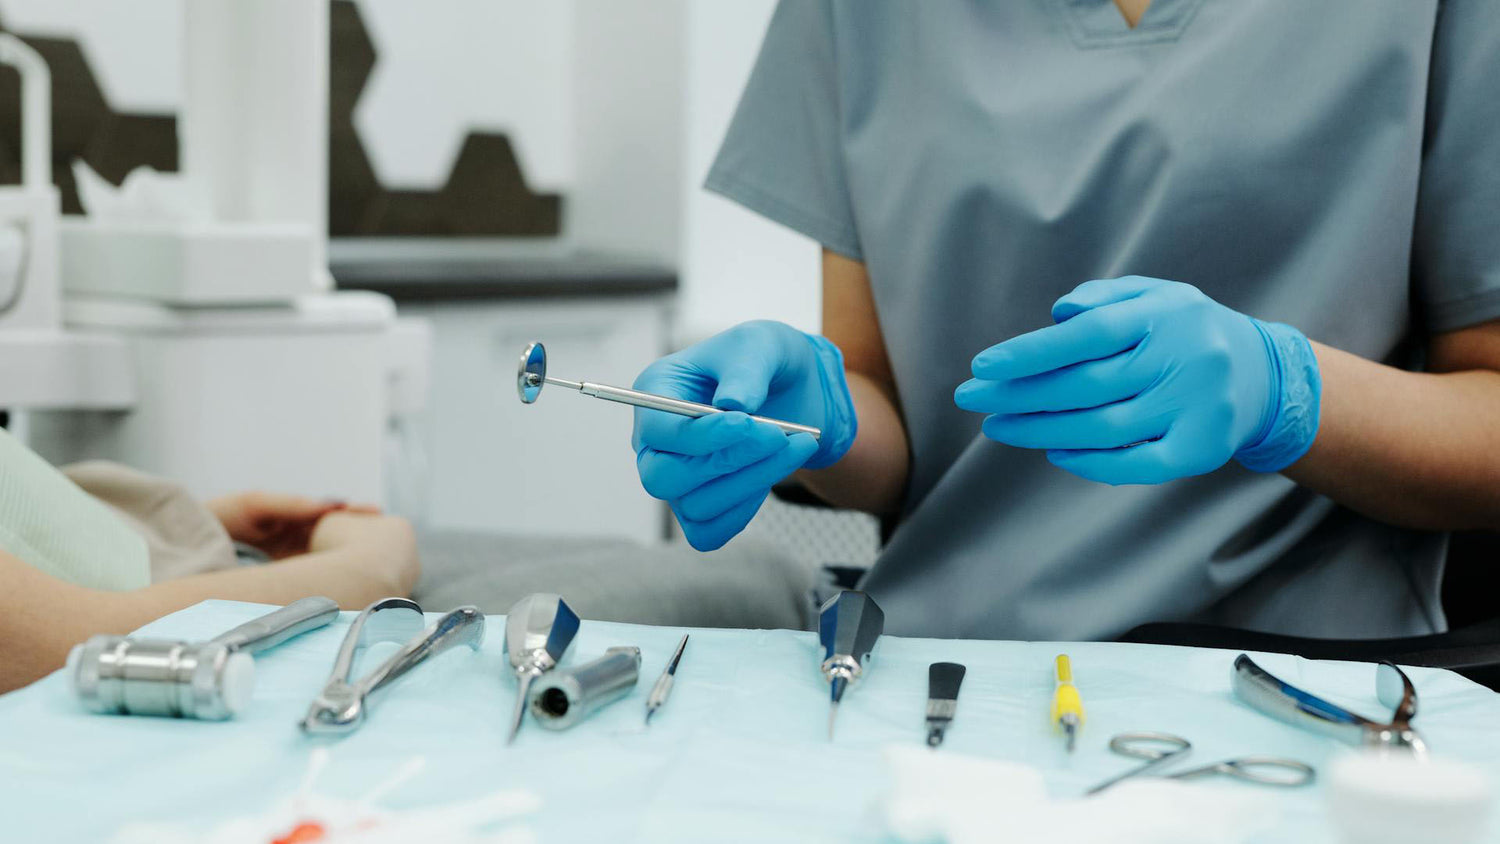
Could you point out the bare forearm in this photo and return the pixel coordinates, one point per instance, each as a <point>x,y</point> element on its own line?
<point>1420,450</point>
<point>341,574</point>
<point>41,617</point>
<point>872,475</point>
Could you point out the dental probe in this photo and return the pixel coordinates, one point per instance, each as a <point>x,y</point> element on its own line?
<point>663,685</point>
<point>531,375</point>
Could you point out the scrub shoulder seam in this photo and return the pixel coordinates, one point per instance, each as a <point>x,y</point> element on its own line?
<point>836,236</point>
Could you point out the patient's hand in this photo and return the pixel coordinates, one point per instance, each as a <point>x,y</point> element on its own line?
<point>385,546</point>
<point>280,525</point>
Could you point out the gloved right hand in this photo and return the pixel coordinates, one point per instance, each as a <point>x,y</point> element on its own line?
<point>716,470</point>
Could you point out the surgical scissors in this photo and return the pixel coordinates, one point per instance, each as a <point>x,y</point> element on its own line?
<point>1161,749</point>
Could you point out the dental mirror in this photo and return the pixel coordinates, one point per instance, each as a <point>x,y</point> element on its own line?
<point>531,376</point>
<point>532,373</point>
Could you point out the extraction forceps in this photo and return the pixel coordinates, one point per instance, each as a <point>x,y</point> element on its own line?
<point>1279,699</point>
<point>531,375</point>
<point>342,705</point>
<point>1161,749</point>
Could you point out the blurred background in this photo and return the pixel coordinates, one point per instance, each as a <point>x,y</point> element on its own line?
<point>301,247</point>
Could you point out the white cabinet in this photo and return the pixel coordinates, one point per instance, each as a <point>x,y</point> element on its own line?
<point>561,466</point>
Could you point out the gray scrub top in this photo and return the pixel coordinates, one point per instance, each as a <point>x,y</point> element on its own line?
<point>1331,165</point>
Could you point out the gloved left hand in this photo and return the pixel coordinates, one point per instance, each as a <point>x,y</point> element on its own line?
<point>1142,381</point>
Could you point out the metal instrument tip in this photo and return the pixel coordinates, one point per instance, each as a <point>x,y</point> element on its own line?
<point>1072,731</point>
<point>520,713</point>
<point>650,710</point>
<point>934,737</point>
<point>833,713</point>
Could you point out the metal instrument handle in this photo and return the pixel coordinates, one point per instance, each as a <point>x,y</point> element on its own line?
<point>1279,699</point>
<point>276,627</point>
<point>1262,770</point>
<point>1395,689</point>
<point>651,401</point>
<point>359,633</point>
<point>1130,744</point>
<point>463,626</point>
<point>660,691</point>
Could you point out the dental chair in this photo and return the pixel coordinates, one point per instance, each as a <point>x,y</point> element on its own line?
<point>1471,647</point>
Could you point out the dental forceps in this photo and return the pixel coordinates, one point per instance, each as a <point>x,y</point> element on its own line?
<point>531,376</point>
<point>342,705</point>
<point>1161,749</point>
<point>1270,695</point>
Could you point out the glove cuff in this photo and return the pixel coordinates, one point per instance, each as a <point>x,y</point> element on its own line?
<point>1297,391</point>
<point>839,422</point>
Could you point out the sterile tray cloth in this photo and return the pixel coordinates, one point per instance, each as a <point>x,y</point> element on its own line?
<point>739,753</point>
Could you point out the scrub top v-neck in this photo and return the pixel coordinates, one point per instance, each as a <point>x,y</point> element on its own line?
<point>1331,165</point>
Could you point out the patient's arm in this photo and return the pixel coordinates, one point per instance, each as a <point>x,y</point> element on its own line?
<point>353,558</point>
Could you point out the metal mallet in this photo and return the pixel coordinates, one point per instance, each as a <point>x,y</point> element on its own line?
<point>209,681</point>
<point>531,375</point>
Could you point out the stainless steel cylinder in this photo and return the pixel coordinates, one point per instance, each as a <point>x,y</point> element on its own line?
<point>120,675</point>
<point>562,698</point>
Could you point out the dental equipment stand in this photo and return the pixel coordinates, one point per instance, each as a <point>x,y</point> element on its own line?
<point>531,375</point>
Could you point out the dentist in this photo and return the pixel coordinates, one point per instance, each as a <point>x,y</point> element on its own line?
<point>1216,283</point>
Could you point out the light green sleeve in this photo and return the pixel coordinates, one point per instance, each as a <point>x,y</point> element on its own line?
<point>48,522</point>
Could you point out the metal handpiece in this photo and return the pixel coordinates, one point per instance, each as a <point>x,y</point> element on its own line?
<point>209,681</point>
<point>943,682</point>
<point>663,687</point>
<point>848,626</point>
<point>1281,700</point>
<point>531,375</point>
<point>342,705</point>
<point>565,697</point>
<point>539,629</point>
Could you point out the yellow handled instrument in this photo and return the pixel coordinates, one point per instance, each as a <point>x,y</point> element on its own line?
<point>1067,705</point>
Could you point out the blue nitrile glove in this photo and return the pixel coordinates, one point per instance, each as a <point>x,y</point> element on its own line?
<point>1142,381</point>
<point>716,470</point>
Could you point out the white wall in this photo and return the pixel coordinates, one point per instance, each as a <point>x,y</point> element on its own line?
<point>619,104</point>
<point>446,67</point>
<point>629,113</point>
<point>134,47</point>
<point>735,265</point>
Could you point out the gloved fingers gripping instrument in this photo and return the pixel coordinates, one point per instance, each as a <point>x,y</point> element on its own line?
<point>531,375</point>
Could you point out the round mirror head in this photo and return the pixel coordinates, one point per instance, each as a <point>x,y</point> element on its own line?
<point>531,373</point>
